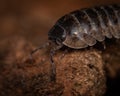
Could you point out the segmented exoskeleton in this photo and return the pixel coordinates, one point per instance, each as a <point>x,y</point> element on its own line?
<point>83,28</point>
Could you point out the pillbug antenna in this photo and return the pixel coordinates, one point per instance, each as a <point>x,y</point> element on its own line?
<point>52,52</point>
<point>43,46</point>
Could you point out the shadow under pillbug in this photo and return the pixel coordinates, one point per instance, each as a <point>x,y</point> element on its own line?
<point>83,28</point>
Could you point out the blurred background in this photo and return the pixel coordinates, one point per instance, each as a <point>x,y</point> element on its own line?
<point>32,19</point>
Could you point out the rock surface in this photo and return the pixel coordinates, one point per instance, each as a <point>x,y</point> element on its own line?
<point>78,72</point>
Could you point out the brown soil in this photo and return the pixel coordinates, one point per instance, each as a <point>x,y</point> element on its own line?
<point>86,72</point>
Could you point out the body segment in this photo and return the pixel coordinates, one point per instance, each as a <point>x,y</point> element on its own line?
<point>87,26</point>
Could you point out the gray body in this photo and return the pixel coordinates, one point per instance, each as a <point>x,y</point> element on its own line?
<point>83,28</point>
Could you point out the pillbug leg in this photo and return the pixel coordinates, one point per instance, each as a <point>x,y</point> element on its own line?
<point>104,45</point>
<point>43,46</point>
<point>53,68</point>
<point>91,48</point>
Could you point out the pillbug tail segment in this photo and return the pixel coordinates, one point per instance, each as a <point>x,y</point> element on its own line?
<point>41,47</point>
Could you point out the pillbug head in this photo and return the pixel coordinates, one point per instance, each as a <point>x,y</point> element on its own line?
<point>57,34</point>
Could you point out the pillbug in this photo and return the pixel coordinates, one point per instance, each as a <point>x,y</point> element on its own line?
<point>83,28</point>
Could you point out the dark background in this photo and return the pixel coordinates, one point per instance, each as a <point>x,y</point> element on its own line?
<point>32,20</point>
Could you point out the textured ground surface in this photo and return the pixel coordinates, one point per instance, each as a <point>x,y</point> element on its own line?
<point>79,72</point>
<point>24,25</point>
